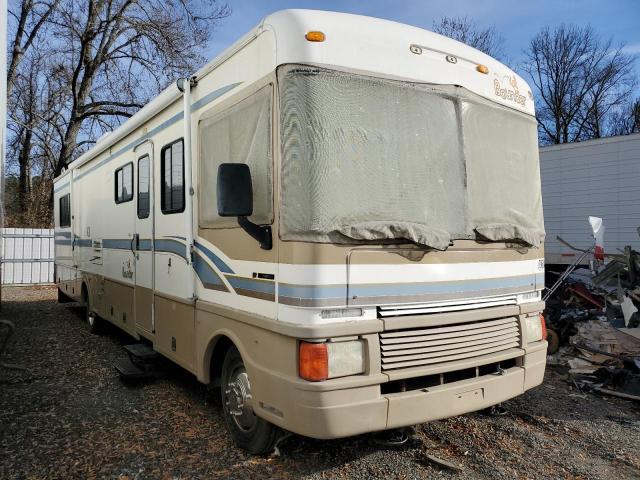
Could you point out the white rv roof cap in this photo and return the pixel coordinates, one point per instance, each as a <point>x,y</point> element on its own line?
<point>359,43</point>
<point>369,44</point>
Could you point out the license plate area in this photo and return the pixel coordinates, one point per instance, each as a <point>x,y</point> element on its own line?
<point>470,396</point>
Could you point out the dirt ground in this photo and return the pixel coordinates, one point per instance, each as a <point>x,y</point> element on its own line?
<point>69,416</point>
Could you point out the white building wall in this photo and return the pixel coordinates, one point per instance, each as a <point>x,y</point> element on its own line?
<point>600,178</point>
<point>28,256</point>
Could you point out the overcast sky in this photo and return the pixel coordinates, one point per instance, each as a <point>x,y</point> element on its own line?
<point>517,22</point>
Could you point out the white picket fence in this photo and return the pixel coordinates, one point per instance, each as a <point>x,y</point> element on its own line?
<point>27,256</point>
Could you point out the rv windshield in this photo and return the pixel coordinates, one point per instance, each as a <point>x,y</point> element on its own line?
<point>370,159</point>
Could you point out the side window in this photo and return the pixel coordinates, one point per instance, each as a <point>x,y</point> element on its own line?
<point>241,134</point>
<point>65,210</point>
<point>143,186</point>
<point>124,184</point>
<point>172,174</point>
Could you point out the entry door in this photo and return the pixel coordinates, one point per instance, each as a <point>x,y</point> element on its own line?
<point>143,238</point>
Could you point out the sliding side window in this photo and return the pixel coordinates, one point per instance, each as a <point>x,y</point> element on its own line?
<point>240,134</point>
<point>143,186</point>
<point>124,184</point>
<point>65,210</point>
<point>172,174</point>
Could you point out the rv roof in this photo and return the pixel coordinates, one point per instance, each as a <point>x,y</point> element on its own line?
<point>358,43</point>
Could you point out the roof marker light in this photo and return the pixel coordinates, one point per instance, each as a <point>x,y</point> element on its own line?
<point>483,69</point>
<point>314,36</point>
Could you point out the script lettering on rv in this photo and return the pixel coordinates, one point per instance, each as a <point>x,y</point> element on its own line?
<point>506,93</point>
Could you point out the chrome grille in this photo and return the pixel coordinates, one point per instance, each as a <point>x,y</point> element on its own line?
<point>435,345</point>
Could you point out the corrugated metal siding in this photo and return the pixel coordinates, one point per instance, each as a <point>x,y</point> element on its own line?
<point>437,345</point>
<point>599,178</point>
<point>28,255</point>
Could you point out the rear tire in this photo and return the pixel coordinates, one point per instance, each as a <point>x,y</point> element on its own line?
<point>247,430</point>
<point>90,317</point>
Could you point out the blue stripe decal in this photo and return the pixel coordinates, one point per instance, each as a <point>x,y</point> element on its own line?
<point>319,292</point>
<point>117,243</point>
<point>171,246</point>
<point>217,261</point>
<point>210,97</point>
<point>144,245</point>
<point>206,274</point>
<point>211,279</point>
<point>253,285</point>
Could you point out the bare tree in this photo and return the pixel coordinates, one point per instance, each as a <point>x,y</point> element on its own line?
<point>465,30</point>
<point>579,80</point>
<point>78,69</point>
<point>626,120</point>
<point>30,17</point>
<point>37,102</point>
<point>119,53</point>
<point>614,83</point>
<point>29,20</point>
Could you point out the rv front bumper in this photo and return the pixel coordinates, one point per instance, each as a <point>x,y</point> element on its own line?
<point>351,408</point>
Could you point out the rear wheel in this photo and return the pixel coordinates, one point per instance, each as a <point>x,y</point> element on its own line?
<point>93,321</point>
<point>247,430</point>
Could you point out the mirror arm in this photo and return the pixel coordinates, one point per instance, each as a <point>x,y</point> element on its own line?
<point>262,233</point>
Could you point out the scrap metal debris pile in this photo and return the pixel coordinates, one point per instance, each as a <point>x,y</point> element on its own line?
<point>593,321</point>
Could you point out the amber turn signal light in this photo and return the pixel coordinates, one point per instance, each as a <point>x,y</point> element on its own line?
<point>543,324</point>
<point>314,36</point>
<point>483,69</point>
<point>313,361</point>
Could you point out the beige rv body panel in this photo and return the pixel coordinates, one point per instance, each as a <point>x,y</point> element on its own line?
<point>139,273</point>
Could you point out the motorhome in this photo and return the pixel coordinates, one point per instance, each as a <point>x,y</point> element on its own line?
<point>337,224</point>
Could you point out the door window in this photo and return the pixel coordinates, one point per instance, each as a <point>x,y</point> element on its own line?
<point>144,173</point>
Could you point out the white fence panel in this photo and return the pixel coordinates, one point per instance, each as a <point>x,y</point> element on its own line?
<point>27,255</point>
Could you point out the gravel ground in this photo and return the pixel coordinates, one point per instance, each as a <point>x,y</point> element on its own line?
<point>69,416</point>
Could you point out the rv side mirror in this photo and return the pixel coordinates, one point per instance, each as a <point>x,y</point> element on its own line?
<point>235,199</point>
<point>235,192</point>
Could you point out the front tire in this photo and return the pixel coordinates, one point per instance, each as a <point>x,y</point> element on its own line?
<point>247,430</point>
<point>553,340</point>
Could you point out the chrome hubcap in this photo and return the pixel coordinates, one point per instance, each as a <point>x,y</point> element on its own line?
<point>238,400</point>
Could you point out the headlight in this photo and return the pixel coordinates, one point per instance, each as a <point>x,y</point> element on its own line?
<point>536,328</point>
<point>320,361</point>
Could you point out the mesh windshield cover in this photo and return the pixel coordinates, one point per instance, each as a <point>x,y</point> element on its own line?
<point>365,158</point>
<point>501,152</point>
<point>241,134</point>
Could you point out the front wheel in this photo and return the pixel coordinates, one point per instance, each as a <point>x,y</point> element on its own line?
<point>247,430</point>
<point>553,340</point>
